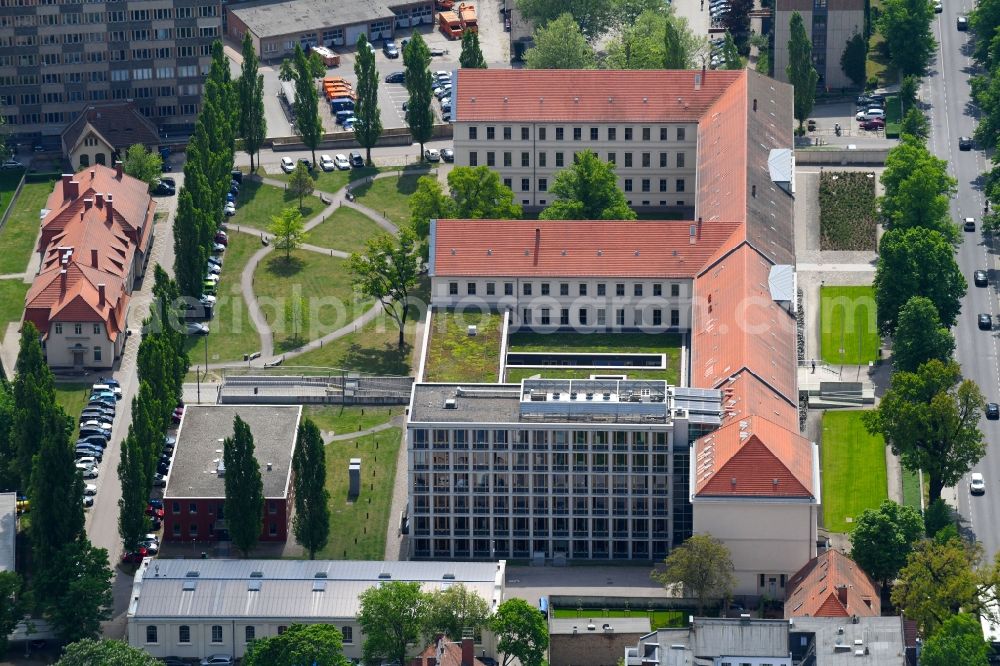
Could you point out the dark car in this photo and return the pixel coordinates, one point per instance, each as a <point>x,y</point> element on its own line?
<point>111,381</point>
<point>873,125</point>
<point>963,23</point>
<point>447,154</point>
<point>390,49</point>
<point>985,322</point>
<point>396,77</point>
<point>969,224</point>
<point>93,440</point>
<point>981,278</point>
<point>236,175</point>
<point>357,159</point>
<point>306,161</point>
<point>965,143</point>
<point>174,661</point>
<point>164,190</point>
<point>992,411</point>
<point>155,502</point>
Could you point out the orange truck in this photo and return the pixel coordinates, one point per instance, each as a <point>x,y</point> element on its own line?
<point>450,25</point>
<point>444,5</point>
<point>467,17</point>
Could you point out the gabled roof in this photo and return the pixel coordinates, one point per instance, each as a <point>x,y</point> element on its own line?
<point>443,652</point>
<point>118,124</point>
<point>132,206</point>
<point>754,457</point>
<point>75,297</point>
<point>573,248</point>
<point>831,585</point>
<point>541,95</point>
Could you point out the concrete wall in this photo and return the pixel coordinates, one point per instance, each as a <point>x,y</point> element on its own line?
<point>589,648</point>
<point>61,341</point>
<point>872,156</point>
<point>764,537</point>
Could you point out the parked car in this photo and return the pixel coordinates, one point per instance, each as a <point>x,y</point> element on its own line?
<point>340,161</point>
<point>86,471</point>
<point>162,189</point>
<point>221,237</point>
<point>395,77</point>
<point>432,155</point>
<point>229,209</point>
<point>965,143</point>
<point>88,452</point>
<point>306,162</point>
<point>168,440</point>
<point>963,23</point>
<point>977,485</point>
<point>287,165</point>
<point>390,49</point>
<point>992,411</point>
<point>99,413</point>
<point>152,546</point>
<point>874,124</point>
<point>90,489</point>
<point>357,159</point>
<point>136,556</point>
<point>981,278</point>
<point>88,431</point>
<point>159,480</point>
<point>95,424</point>
<point>11,164</point>
<point>217,660</point>
<point>195,328</point>
<point>447,154</point>
<point>94,440</point>
<point>236,175</point>
<point>870,114</point>
<point>218,247</point>
<point>88,502</point>
<point>326,163</point>
<point>89,461</point>
<point>938,7</point>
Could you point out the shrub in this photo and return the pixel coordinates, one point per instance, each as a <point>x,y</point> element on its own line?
<point>847,212</point>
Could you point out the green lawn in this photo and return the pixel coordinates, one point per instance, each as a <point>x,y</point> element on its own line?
<point>8,183</point>
<point>11,301</point>
<point>390,196</point>
<point>848,325</point>
<point>893,115</point>
<point>345,229</point>
<point>357,529</point>
<point>853,468</point>
<point>72,397</point>
<point>911,489</point>
<point>372,349</point>
<point>657,618</point>
<point>343,419</point>
<point>330,181</point>
<point>232,332</point>
<point>17,238</point>
<point>625,343</point>
<point>258,203</point>
<point>324,284</point>
<point>516,374</point>
<point>454,356</point>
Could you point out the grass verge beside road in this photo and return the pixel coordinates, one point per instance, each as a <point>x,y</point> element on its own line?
<point>17,238</point>
<point>455,356</point>
<point>849,329</point>
<point>358,528</point>
<point>345,229</point>
<point>345,419</point>
<point>12,294</point>
<point>258,203</point>
<point>853,467</point>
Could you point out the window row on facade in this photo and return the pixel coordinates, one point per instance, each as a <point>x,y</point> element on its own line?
<point>481,438</point>
<point>111,37</point>
<point>542,527</point>
<point>499,483</point>
<point>517,461</point>
<point>618,549</point>
<point>583,289</point>
<point>577,133</point>
<point>185,633</point>
<point>559,159</point>
<point>642,505</point>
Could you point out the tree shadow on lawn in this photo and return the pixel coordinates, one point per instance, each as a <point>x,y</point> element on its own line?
<point>387,359</point>
<point>406,182</point>
<point>283,267</point>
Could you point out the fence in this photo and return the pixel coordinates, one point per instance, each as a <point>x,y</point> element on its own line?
<point>10,204</point>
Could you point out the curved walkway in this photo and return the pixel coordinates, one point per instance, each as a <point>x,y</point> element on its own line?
<point>336,199</point>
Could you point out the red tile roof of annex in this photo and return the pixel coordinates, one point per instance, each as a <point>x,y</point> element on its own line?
<point>574,248</point>
<point>813,590</point>
<point>542,95</point>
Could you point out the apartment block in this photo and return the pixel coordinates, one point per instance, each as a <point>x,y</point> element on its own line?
<point>58,57</point>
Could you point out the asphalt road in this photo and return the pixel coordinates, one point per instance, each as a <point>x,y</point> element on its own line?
<point>952,115</point>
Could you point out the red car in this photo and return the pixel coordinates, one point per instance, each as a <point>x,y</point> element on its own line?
<point>155,512</point>
<point>221,238</point>
<point>873,124</point>
<point>135,557</point>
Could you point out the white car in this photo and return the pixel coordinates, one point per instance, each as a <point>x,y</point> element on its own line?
<point>870,114</point>
<point>87,461</point>
<point>218,247</point>
<point>214,269</point>
<point>93,423</point>
<point>90,490</point>
<point>87,472</point>
<point>326,163</point>
<point>341,162</point>
<point>229,209</point>
<point>432,155</point>
<point>12,164</point>
<point>977,485</point>
<point>287,164</point>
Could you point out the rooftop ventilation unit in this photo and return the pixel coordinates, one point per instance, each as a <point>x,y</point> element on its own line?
<point>450,404</point>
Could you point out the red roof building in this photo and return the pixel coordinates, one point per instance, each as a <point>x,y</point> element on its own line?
<point>96,235</point>
<point>446,653</point>
<point>832,585</point>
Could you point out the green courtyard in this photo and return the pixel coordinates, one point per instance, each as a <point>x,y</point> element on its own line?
<point>346,229</point>
<point>390,196</point>
<point>853,469</point>
<point>848,326</point>
<point>258,203</point>
<point>455,356</point>
<point>17,238</point>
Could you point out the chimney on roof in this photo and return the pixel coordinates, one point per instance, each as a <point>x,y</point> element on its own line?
<point>93,174</point>
<point>100,295</point>
<point>62,279</point>
<point>697,79</point>
<point>71,188</point>
<point>699,228</point>
<point>842,594</point>
<point>118,169</point>
<point>99,199</point>
<point>110,208</point>
<point>87,203</point>
<point>468,652</point>
<point>538,242</point>
<point>93,257</point>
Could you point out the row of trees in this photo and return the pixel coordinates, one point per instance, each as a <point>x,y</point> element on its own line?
<point>984,21</point>
<point>70,580</point>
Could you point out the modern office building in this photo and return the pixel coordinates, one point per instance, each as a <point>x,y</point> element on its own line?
<point>57,57</point>
<point>277,26</point>
<point>192,608</point>
<point>552,469</point>
<point>194,502</point>
<point>830,24</point>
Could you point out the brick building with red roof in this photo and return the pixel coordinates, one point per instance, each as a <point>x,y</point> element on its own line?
<point>832,585</point>
<point>96,236</point>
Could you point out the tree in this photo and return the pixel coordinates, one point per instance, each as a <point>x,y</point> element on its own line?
<point>316,65</point>
<point>918,189</point>
<point>701,564</point>
<point>908,88</point>
<point>521,633</point>
<point>8,446</point>
<point>298,645</point>
<point>592,17</point>
<point>852,60</point>
<point>920,336</point>
<point>655,40</point>
<point>91,652</point>
<point>419,116</point>
<point>79,580</point>
<point>56,487</point>
<point>454,611</point>
<point>306,106</point>
<point>391,617</point>
<point>479,194</point>
<point>984,20</point>
<point>731,58</point>
<point>940,579</point>
<point>938,516</point>
<point>190,255</point>
<point>289,231</point>
<point>286,71</point>
<point>883,538</point>
<point>906,27</point>
<point>472,54</point>
<point>915,123</point>
<point>296,314</point>
<point>33,394</point>
<point>142,164</point>
<point>916,262</point>
<point>368,127</point>
<point>135,492</point>
<point>588,190</point>
<point>244,488</point>
<point>959,640</point>
<point>253,121</point>
<point>388,271</point>
<point>737,22</point>
<point>300,182</point>
<point>930,418</point>
<point>800,70</point>
<point>311,524</point>
<point>429,202</point>
<point>11,605</point>
<point>560,45</point>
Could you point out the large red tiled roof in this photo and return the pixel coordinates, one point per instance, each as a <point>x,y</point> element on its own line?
<point>573,248</point>
<point>745,395</point>
<point>754,457</point>
<point>541,95</point>
<point>831,585</point>
<point>76,298</point>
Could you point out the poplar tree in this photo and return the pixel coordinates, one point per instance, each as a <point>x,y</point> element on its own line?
<point>306,106</point>
<point>368,127</point>
<point>132,503</point>
<point>419,116</point>
<point>253,122</point>
<point>800,70</point>
<point>311,524</point>
<point>244,488</point>
<point>472,54</point>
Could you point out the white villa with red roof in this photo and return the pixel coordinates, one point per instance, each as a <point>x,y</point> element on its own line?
<point>97,232</point>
